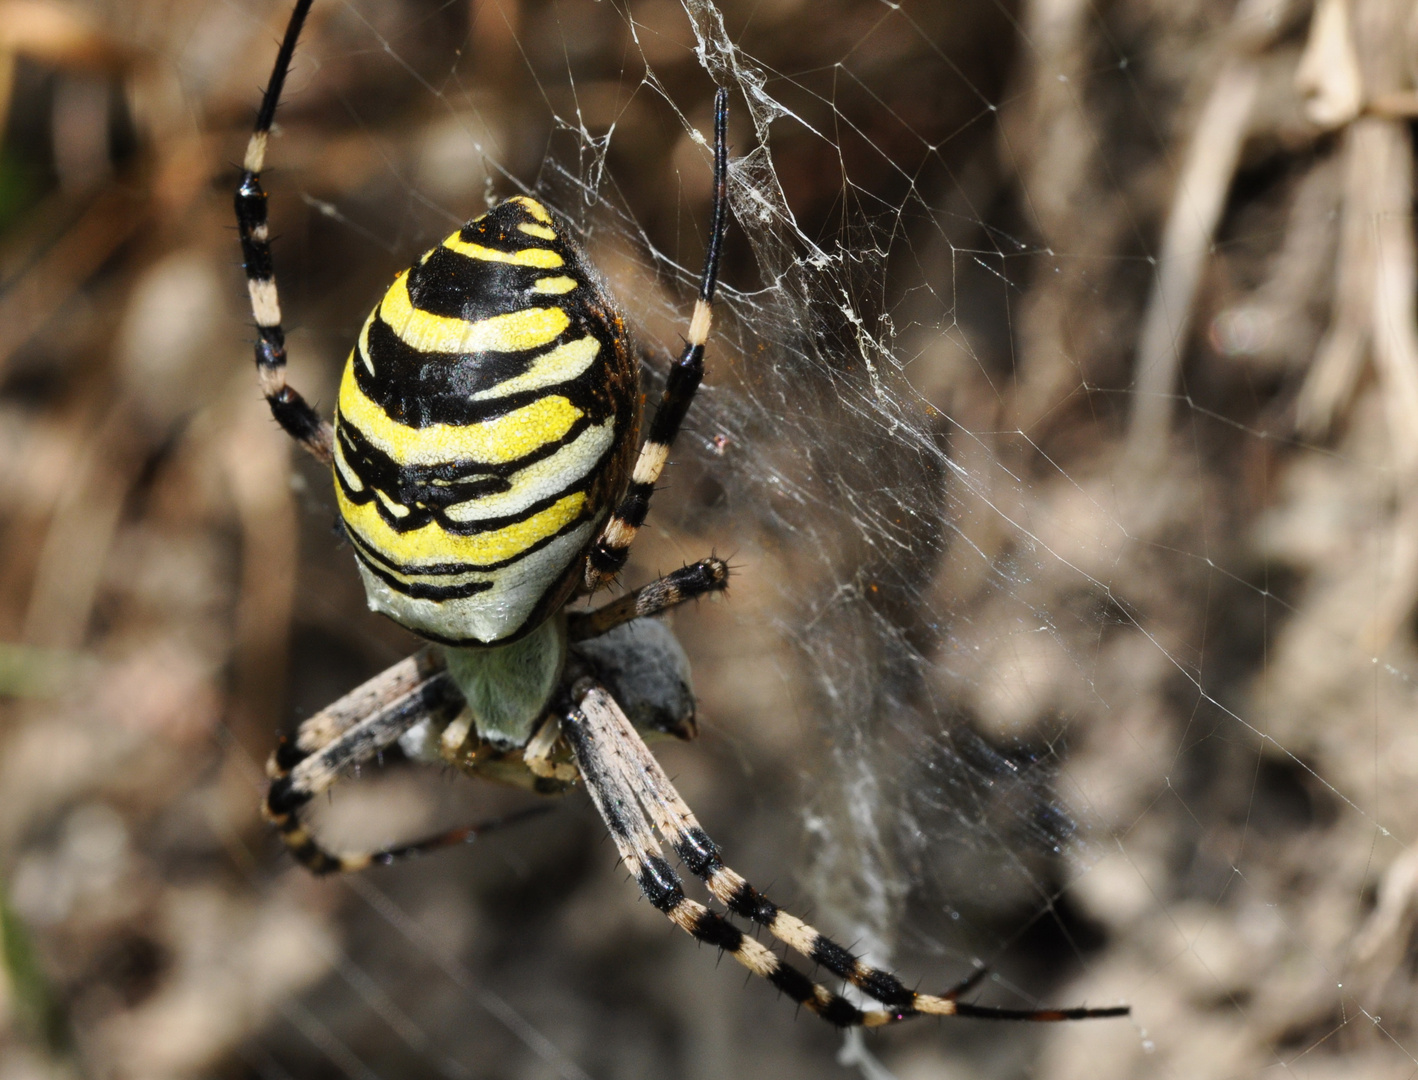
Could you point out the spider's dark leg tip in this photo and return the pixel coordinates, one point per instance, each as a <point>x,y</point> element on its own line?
<point>706,575</point>
<point>287,756</point>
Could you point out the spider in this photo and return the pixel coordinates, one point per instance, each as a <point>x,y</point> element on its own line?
<point>484,458</point>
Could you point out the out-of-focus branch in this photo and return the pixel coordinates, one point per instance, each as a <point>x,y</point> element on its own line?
<point>1200,199</point>
<point>1186,244</point>
<point>1375,277</point>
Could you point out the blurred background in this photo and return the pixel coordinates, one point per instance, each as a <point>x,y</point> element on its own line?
<point>1061,425</point>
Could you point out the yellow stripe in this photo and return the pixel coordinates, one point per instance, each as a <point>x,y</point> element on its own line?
<point>431,544</point>
<point>493,442</point>
<point>536,209</point>
<point>541,480</point>
<point>344,466</point>
<point>398,509</point>
<point>529,328</point>
<point>541,232</point>
<point>543,258</point>
<point>362,345</point>
<point>560,365</point>
<point>556,285</point>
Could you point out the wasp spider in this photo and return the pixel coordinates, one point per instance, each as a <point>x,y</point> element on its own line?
<point>484,457</point>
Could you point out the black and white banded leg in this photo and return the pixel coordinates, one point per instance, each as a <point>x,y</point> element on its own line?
<point>351,731</point>
<point>291,410</point>
<point>632,792</point>
<point>319,731</point>
<point>687,583</point>
<point>608,554</point>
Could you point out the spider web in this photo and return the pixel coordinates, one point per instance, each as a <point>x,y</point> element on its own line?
<point>1071,624</point>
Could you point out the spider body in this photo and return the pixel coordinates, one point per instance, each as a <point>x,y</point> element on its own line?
<point>486,424</point>
<point>486,471</point>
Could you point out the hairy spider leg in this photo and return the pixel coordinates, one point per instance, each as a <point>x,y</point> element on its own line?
<point>593,731</point>
<point>320,730</point>
<point>608,554</point>
<point>291,410</point>
<point>628,783</point>
<point>295,783</point>
<point>297,777</point>
<point>687,583</point>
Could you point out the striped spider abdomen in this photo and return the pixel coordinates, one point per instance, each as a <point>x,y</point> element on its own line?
<point>486,422</point>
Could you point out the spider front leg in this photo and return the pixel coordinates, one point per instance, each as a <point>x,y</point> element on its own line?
<point>291,410</point>
<point>604,744</point>
<point>298,776</point>
<point>608,554</point>
<point>677,824</point>
<point>322,729</point>
<point>633,793</point>
<point>351,731</point>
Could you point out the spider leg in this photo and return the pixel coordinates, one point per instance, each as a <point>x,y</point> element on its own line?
<point>320,861</point>
<point>687,583</point>
<point>451,838</point>
<point>645,779</point>
<point>598,734</point>
<point>291,410</point>
<point>323,728</point>
<point>609,552</point>
<point>295,783</point>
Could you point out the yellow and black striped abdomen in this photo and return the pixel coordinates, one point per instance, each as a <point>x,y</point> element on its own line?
<point>485,424</point>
